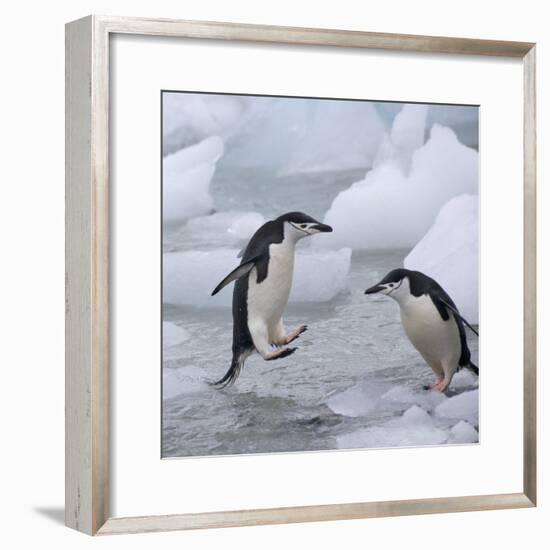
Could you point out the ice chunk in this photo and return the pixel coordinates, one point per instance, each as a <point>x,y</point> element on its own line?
<point>359,400</point>
<point>392,209</point>
<point>407,135</point>
<point>189,277</point>
<point>449,253</point>
<point>405,395</point>
<point>463,406</point>
<point>416,415</point>
<point>320,275</point>
<point>463,432</point>
<point>173,335</point>
<point>230,225</point>
<point>295,135</point>
<point>414,427</point>
<point>186,180</point>
<point>189,118</point>
<point>464,378</point>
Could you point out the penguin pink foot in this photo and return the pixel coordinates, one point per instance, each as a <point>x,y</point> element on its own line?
<point>295,334</point>
<point>436,384</point>
<point>442,385</point>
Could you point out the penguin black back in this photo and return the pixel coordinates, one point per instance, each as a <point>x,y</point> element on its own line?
<point>420,284</point>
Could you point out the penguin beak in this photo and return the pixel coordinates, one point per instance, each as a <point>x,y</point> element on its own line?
<point>374,289</point>
<point>322,228</point>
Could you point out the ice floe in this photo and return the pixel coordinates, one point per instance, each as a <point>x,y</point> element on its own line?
<point>449,253</point>
<point>190,276</point>
<point>393,208</point>
<point>230,226</point>
<point>186,180</point>
<point>189,118</point>
<point>463,432</point>
<point>463,406</point>
<point>414,427</point>
<point>414,416</point>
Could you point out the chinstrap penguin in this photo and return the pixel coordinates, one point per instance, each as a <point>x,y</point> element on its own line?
<point>431,321</point>
<point>262,287</point>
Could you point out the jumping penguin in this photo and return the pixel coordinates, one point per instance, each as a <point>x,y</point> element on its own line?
<point>431,321</point>
<point>263,281</point>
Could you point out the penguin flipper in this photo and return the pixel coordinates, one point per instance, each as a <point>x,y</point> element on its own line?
<point>455,312</point>
<point>237,273</point>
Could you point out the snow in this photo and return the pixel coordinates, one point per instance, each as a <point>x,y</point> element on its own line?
<point>190,276</point>
<point>186,180</point>
<point>173,335</point>
<point>449,253</point>
<point>463,406</point>
<point>394,208</point>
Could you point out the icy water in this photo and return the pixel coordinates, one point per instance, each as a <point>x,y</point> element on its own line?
<point>354,382</point>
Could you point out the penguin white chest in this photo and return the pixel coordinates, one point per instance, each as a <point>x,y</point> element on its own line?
<point>268,299</point>
<point>437,340</point>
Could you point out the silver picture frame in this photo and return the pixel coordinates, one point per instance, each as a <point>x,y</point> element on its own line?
<point>87,273</point>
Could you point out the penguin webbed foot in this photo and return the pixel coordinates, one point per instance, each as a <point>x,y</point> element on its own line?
<point>279,354</point>
<point>296,334</point>
<point>441,384</point>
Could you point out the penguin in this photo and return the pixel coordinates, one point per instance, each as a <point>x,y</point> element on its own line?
<point>262,287</point>
<point>431,321</point>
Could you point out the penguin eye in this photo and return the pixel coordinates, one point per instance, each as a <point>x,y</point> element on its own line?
<point>303,225</point>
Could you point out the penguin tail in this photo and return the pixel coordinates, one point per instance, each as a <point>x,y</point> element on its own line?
<point>228,379</point>
<point>473,368</point>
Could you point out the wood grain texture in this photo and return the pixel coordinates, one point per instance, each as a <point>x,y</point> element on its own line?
<point>87,273</point>
<point>86,259</point>
<point>530,279</point>
<point>312,36</point>
<point>78,278</point>
<point>298,514</point>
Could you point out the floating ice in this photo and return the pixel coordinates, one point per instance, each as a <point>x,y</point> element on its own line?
<point>393,209</point>
<point>414,427</point>
<point>320,275</point>
<point>290,135</point>
<point>189,277</point>
<point>463,406</point>
<point>449,253</point>
<point>226,226</point>
<point>186,180</point>
<point>173,335</point>
<point>359,400</point>
<point>422,398</point>
<point>463,432</point>
<point>407,135</point>
<point>464,378</point>
<point>189,118</point>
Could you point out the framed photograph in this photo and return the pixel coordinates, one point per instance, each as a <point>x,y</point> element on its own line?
<point>300,275</point>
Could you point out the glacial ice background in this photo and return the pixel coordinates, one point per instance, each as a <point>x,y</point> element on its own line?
<point>399,184</point>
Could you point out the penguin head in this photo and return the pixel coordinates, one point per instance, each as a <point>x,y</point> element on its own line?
<point>396,284</point>
<point>298,225</point>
